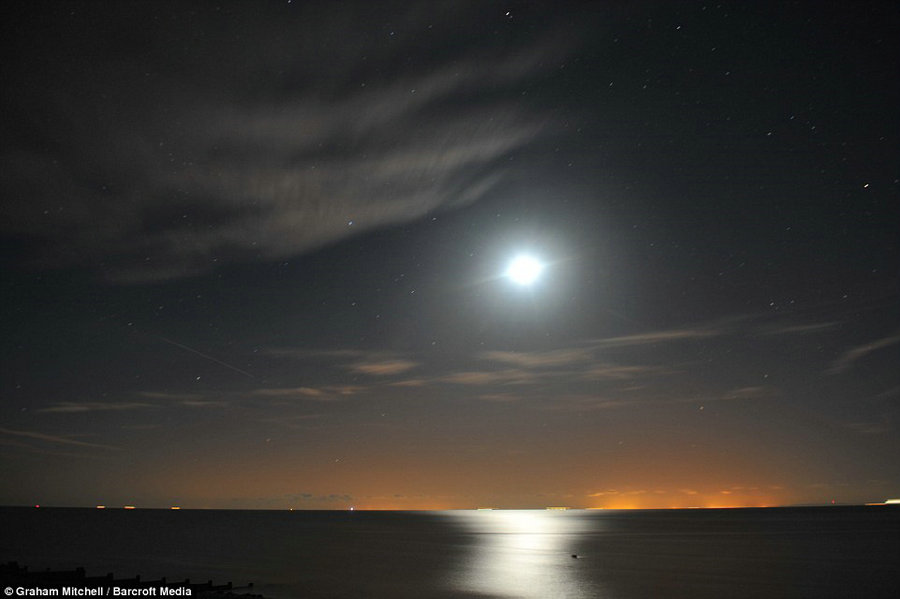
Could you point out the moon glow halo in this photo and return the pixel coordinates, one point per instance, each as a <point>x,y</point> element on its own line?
<point>524,270</point>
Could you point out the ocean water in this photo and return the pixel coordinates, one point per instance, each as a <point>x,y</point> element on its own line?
<point>835,552</point>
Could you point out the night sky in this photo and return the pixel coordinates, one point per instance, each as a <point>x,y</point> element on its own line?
<point>254,254</point>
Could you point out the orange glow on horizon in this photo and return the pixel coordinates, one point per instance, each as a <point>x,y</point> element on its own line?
<point>442,483</point>
<point>694,502</point>
<point>384,479</point>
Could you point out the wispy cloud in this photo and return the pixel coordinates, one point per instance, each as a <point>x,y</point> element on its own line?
<point>589,402</point>
<point>204,403</point>
<point>487,368</point>
<point>190,400</point>
<point>499,397</point>
<point>754,392</point>
<point>871,428</point>
<point>383,368</point>
<point>417,382</point>
<point>620,372</point>
<point>319,498</point>
<point>852,355</point>
<point>605,493</point>
<point>53,439</point>
<point>293,421</point>
<point>497,377</point>
<point>891,392</point>
<point>541,359</point>
<point>659,337</point>
<point>346,389</point>
<point>182,180</point>
<point>294,393</point>
<point>163,395</point>
<point>71,407</point>
<point>303,353</point>
<point>796,329</point>
<point>373,363</point>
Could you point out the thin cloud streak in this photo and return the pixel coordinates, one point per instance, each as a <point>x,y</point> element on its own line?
<point>298,353</point>
<point>498,377</point>
<point>201,403</point>
<point>797,329</point>
<point>385,368</point>
<point>853,355</point>
<point>162,395</point>
<point>545,359</point>
<point>658,337</point>
<point>619,372</point>
<point>295,393</point>
<point>754,392</point>
<point>69,407</point>
<point>54,439</point>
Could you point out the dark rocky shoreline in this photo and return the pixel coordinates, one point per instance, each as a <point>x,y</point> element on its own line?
<point>77,583</point>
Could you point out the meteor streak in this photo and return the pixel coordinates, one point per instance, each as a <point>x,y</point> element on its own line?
<point>208,357</point>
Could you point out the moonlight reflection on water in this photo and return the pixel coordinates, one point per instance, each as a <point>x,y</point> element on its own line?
<point>526,554</point>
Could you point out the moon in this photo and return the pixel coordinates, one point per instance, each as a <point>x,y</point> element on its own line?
<point>524,270</point>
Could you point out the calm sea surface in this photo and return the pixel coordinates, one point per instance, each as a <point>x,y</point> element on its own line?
<point>760,553</point>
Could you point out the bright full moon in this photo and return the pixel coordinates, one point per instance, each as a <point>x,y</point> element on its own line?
<point>524,270</point>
